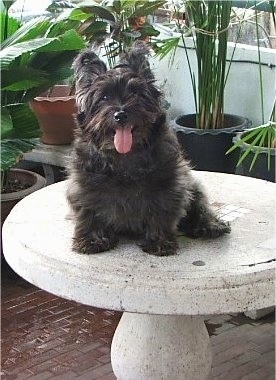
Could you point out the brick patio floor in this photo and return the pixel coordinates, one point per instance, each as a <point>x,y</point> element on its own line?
<point>47,337</point>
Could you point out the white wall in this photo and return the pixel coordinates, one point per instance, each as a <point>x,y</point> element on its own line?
<point>242,93</point>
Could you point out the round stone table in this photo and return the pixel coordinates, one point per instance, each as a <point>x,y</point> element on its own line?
<point>161,334</point>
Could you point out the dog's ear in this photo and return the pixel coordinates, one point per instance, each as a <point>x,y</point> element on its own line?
<point>136,59</point>
<point>87,67</point>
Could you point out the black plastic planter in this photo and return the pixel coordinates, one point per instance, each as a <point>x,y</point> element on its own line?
<point>206,148</point>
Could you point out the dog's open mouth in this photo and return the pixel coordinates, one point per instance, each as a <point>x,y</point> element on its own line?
<point>123,139</point>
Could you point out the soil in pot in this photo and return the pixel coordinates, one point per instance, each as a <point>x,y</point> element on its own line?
<point>20,184</point>
<point>206,149</point>
<point>55,113</point>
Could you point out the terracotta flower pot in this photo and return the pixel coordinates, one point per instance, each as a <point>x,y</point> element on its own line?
<point>55,114</point>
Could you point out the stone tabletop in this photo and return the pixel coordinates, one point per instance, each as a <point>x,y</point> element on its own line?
<point>230,274</point>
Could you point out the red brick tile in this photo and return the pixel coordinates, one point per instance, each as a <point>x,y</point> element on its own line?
<point>85,347</point>
<point>43,345</point>
<point>222,368</point>
<point>239,372</point>
<point>111,376</point>
<point>69,375</point>
<point>266,371</point>
<point>24,374</point>
<point>103,370</point>
<point>64,357</point>
<point>105,358</point>
<point>42,376</point>
<point>41,367</point>
<point>248,356</point>
<point>252,376</point>
<point>61,368</point>
<point>82,366</point>
<point>228,354</point>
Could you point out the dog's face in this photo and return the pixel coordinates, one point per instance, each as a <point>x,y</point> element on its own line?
<point>119,109</point>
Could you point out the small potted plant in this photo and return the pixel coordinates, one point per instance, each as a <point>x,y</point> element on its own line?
<point>257,146</point>
<point>258,150</point>
<point>16,140</point>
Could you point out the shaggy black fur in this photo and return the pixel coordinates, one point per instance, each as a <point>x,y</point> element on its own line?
<point>127,173</point>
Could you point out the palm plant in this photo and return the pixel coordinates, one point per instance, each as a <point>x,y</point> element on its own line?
<point>34,56</point>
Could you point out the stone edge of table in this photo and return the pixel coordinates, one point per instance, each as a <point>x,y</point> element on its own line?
<point>256,291</point>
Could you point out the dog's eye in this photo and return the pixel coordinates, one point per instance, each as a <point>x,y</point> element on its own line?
<point>105,97</point>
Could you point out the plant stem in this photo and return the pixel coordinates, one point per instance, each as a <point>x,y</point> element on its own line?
<point>260,66</point>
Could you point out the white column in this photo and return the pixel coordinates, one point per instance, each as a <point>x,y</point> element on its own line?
<point>161,347</point>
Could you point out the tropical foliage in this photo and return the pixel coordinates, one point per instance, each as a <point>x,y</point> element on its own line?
<point>34,56</point>
<point>114,24</point>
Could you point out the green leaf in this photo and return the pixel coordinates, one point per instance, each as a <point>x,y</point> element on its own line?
<point>24,122</point>
<point>75,14</point>
<point>9,26</point>
<point>147,30</point>
<point>9,54</point>
<point>97,10</point>
<point>93,28</point>
<point>12,150</point>
<point>255,140</point>
<point>6,122</point>
<point>70,40</point>
<point>164,47</point>
<point>21,78</point>
<point>32,29</point>
<point>148,8</point>
<point>18,127</point>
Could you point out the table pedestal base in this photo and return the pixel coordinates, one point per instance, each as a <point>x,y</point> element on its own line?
<point>161,347</point>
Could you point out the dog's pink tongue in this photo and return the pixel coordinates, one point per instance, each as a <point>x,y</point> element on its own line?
<point>123,140</point>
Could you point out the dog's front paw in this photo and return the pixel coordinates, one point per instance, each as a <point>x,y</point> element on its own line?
<point>88,246</point>
<point>210,229</point>
<point>160,248</point>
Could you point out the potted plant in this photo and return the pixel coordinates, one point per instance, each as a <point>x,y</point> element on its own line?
<point>258,150</point>
<point>257,146</point>
<point>15,140</point>
<point>207,134</point>
<point>35,56</point>
<point>30,63</point>
<point>50,44</point>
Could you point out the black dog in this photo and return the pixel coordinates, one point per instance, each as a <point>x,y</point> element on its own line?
<point>127,172</point>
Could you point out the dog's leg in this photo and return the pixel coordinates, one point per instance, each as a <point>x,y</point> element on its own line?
<point>91,235</point>
<point>160,247</point>
<point>159,241</point>
<point>200,220</point>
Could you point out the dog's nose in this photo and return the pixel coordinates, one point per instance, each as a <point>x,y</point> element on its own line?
<point>120,116</point>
